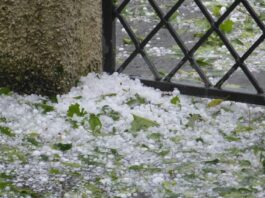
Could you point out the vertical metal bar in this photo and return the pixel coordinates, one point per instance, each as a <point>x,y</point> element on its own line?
<point>109,36</point>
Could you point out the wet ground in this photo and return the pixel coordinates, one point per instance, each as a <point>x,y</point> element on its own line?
<point>165,54</point>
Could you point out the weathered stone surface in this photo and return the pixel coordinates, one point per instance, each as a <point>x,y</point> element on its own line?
<point>46,45</point>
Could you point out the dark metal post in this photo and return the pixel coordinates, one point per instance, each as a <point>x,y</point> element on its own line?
<point>108,38</point>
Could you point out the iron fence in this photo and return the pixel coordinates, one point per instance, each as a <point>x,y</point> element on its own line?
<point>111,13</point>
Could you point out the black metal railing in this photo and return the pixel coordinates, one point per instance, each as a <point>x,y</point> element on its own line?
<point>111,13</point>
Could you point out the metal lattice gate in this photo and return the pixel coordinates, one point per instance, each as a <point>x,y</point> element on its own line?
<point>111,13</point>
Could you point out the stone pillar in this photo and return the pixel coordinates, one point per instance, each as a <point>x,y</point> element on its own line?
<point>46,45</point>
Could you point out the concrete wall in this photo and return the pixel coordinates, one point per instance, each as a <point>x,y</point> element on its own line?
<point>46,45</point>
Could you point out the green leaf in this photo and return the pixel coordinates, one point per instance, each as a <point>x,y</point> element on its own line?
<point>4,185</point>
<point>228,192</point>
<point>193,118</point>
<point>96,191</point>
<point>5,91</point>
<point>108,95</point>
<point>5,176</point>
<point>212,42</point>
<point>176,139</point>
<point>211,170</point>
<point>32,140</point>
<point>198,35</point>
<point>174,16</point>
<point>258,148</point>
<point>127,41</point>
<point>56,157</point>
<point>245,163</point>
<point>25,192</point>
<point>214,103</point>
<point>74,109</point>
<point>74,123</point>
<point>137,100</point>
<point>217,10</point>
<point>115,1</point>
<point>113,175</point>
<point>54,171</point>
<point>107,110</point>
<point>7,131</point>
<point>71,164</point>
<point>44,158</point>
<point>177,51</point>
<point>168,185</point>
<point>136,167</point>
<point>144,146</point>
<point>153,170</point>
<point>175,101</point>
<point>231,138</point>
<point>163,153</point>
<point>95,123</point>
<point>199,139</point>
<point>241,129</point>
<point>44,107</point>
<point>155,136</point>
<point>114,152</point>
<point>77,97</point>
<point>227,26</point>
<point>235,151</point>
<point>3,119</point>
<point>238,41</point>
<point>202,62</point>
<point>162,73</point>
<point>62,147</point>
<point>90,160</point>
<point>53,99</point>
<point>12,154</point>
<point>140,123</point>
<point>263,165</point>
<point>215,161</point>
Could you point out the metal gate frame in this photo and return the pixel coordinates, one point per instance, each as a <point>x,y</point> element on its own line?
<point>111,13</point>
